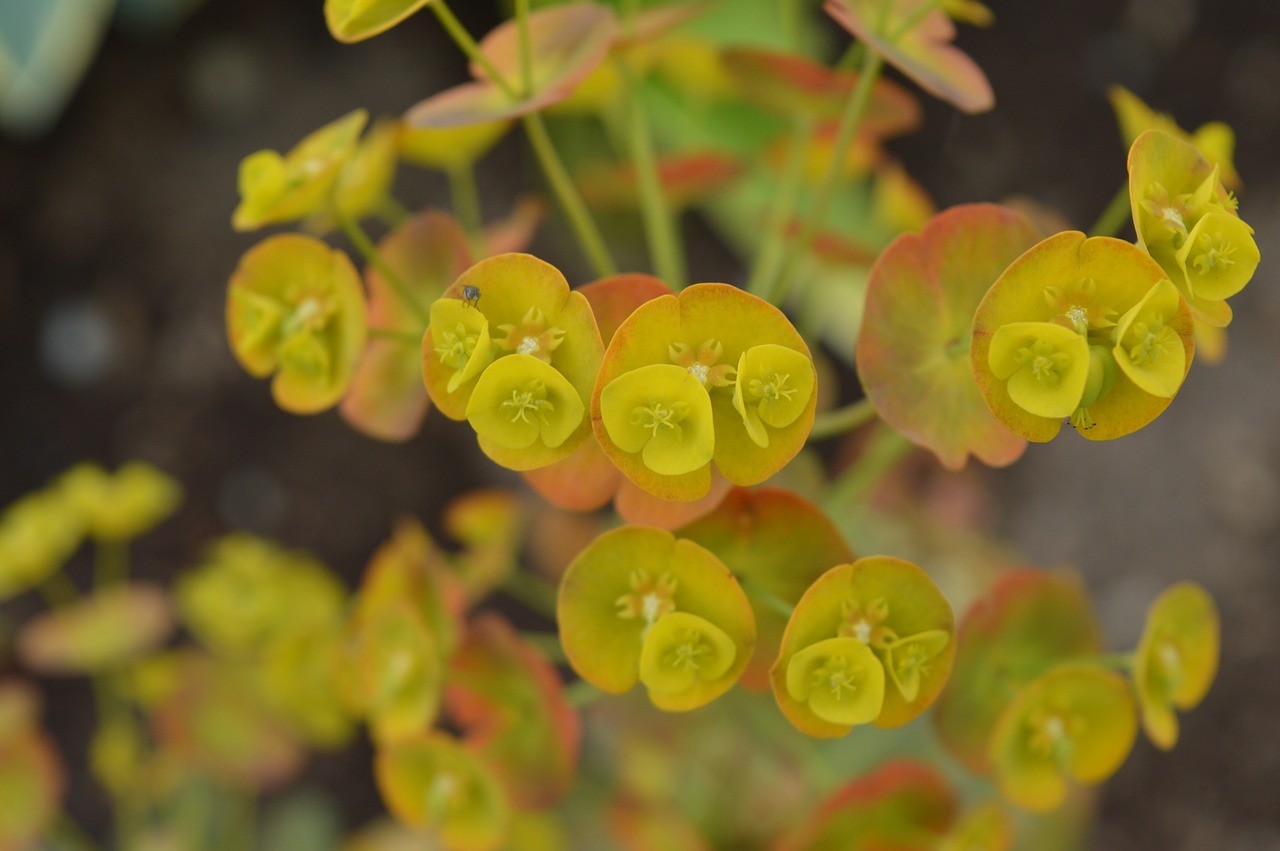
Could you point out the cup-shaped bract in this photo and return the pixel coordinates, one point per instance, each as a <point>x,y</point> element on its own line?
<point>214,719</point>
<point>1077,722</point>
<point>1176,659</point>
<point>513,351</point>
<point>393,674</point>
<point>707,332</point>
<point>123,505</point>
<point>249,590</point>
<point>275,188</point>
<point>902,805</point>
<point>99,633</point>
<point>781,543</point>
<point>364,184</point>
<point>433,783</point>
<point>509,703</point>
<point>917,41</point>
<point>387,399</point>
<point>350,21</point>
<point>913,349</point>
<point>1046,333</point>
<point>1030,621</point>
<point>295,309</point>
<point>1187,221</point>
<point>32,781</point>
<point>38,533</point>
<point>986,827</point>
<point>870,641</point>
<point>587,479</point>
<point>410,566</point>
<point>301,680</point>
<point>615,610</point>
<point>1215,141</point>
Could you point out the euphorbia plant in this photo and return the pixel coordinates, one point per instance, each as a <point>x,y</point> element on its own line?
<point>657,409</point>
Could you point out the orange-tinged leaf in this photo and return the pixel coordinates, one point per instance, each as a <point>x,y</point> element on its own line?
<point>509,703</point>
<point>901,806</point>
<point>782,543</point>
<point>640,827</point>
<point>387,399</point>
<point>99,633</point>
<point>638,506</point>
<point>686,179</point>
<point>1028,622</point>
<point>791,85</point>
<point>923,51</point>
<point>567,42</point>
<point>584,481</point>
<point>913,350</point>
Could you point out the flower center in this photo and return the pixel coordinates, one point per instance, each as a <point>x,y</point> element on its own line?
<point>1217,255</point>
<point>527,403</point>
<point>689,655</point>
<point>1154,341</point>
<point>839,677</point>
<point>1045,362</point>
<point>528,346</point>
<point>456,347</point>
<point>657,416</point>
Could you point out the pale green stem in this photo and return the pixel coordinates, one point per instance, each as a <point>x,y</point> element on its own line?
<point>764,266</point>
<point>391,335</point>
<point>468,45</point>
<point>849,121</point>
<point>660,224</point>
<point>466,203</point>
<point>111,563</point>
<point>843,420</point>
<point>584,227</point>
<point>1115,216</point>
<point>881,454</point>
<point>534,592</point>
<point>370,253</point>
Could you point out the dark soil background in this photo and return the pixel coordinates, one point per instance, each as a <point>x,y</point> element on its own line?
<point>115,247</point>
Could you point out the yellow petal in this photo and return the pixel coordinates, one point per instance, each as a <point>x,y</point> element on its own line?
<point>1046,365</point>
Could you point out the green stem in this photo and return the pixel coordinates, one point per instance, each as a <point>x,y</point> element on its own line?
<point>885,449</point>
<point>755,591</point>
<point>871,65</point>
<point>466,203</point>
<point>391,335</point>
<point>393,213</point>
<point>575,210</point>
<point>764,266</point>
<point>58,590</point>
<point>549,644</point>
<point>468,45</point>
<point>537,594</point>
<point>660,225</point>
<point>370,253</point>
<point>580,693</point>
<point>842,420</point>
<point>111,563</point>
<point>1115,216</point>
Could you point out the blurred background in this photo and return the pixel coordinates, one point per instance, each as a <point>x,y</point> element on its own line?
<point>115,247</point>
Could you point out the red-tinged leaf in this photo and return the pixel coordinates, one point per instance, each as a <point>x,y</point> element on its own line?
<point>516,231</point>
<point>913,350</point>
<point>1030,620</point>
<point>567,42</point>
<point>387,399</point>
<point>638,506</point>
<point>584,481</point>
<point>99,633</point>
<point>791,84</point>
<point>779,541</point>
<point>653,22</point>
<point>923,52</point>
<point>902,806</point>
<point>639,827</point>
<point>33,780</point>
<point>686,179</point>
<point>509,703</point>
